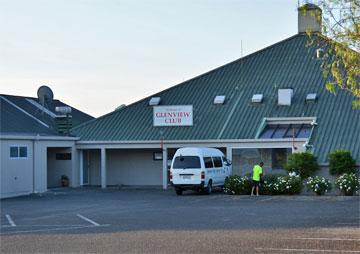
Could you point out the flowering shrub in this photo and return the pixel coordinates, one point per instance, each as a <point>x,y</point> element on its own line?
<point>287,185</point>
<point>268,184</point>
<point>318,184</point>
<point>235,185</point>
<point>348,183</point>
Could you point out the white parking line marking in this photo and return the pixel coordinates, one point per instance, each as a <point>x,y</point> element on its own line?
<point>88,220</point>
<point>323,239</point>
<point>308,250</point>
<point>348,223</point>
<point>51,229</point>
<point>11,222</point>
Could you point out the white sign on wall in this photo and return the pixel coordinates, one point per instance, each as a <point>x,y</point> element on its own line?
<point>173,115</point>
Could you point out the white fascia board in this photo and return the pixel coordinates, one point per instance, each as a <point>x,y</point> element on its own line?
<point>259,143</point>
<point>27,137</point>
<point>290,120</point>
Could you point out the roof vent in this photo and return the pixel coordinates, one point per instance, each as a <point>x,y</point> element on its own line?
<point>154,101</point>
<point>257,98</point>
<point>285,96</point>
<point>311,97</point>
<point>219,99</point>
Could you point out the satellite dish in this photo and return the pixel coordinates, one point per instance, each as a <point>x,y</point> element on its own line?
<point>45,95</point>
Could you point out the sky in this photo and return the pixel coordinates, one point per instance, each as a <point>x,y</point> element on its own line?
<point>98,54</point>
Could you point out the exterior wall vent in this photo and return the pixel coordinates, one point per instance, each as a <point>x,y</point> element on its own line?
<point>154,101</point>
<point>311,97</point>
<point>257,98</point>
<point>285,96</point>
<point>219,99</point>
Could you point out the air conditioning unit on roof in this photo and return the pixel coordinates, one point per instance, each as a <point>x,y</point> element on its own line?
<point>285,96</point>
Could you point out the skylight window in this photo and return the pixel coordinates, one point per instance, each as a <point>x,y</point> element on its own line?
<point>219,99</point>
<point>257,98</point>
<point>154,101</point>
<point>311,97</point>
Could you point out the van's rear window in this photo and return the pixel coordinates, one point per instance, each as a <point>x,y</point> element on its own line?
<point>187,162</point>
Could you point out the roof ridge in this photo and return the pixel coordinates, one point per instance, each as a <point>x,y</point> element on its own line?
<point>187,81</point>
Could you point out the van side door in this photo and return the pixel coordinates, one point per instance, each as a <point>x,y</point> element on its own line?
<point>218,169</point>
<point>209,168</point>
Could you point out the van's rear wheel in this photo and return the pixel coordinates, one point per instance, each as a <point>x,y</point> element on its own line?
<point>208,189</point>
<point>179,191</point>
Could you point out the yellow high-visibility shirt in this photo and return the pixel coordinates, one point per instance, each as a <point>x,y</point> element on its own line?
<point>257,170</point>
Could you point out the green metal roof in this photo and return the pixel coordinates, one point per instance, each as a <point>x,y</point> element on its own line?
<point>288,63</point>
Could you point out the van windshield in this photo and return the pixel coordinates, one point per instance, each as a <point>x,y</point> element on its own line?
<point>182,162</point>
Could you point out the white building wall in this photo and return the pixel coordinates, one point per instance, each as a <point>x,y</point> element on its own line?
<point>16,174</point>
<point>24,176</point>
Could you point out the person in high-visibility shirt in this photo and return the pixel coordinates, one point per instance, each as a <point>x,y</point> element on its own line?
<point>257,174</point>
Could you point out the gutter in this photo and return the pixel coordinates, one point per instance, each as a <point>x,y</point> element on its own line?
<point>38,137</point>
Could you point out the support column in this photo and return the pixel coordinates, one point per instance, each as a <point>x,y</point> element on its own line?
<point>74,182</point>
<point>229,152</point>
<point>81,169</point>
<point>103,168</point>
<point>165,169</point>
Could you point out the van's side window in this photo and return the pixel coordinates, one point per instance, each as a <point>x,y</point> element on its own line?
<point>217,162</point>
<point>208,162</point>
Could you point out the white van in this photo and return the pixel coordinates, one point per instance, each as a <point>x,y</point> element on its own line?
<point>198,169</point>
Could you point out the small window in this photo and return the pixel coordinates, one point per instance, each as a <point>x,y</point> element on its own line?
<point>217,162</point>
<point>208,162</point>
<point>14,152</point>
<point>18,152</point>
<point>63,156</point>
<point>23,151</point>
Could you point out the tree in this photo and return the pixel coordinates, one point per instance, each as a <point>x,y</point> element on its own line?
<point>340,41</point>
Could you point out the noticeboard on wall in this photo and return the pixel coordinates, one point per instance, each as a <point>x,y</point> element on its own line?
<point>173,115</point>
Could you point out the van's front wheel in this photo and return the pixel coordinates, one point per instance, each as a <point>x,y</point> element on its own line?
<point>208,189</point>
<point>178,192</point>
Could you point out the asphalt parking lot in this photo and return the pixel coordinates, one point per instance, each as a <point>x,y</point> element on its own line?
<point>155,221</point>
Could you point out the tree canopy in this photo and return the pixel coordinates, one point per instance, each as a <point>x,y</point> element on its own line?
<point>341,45</point>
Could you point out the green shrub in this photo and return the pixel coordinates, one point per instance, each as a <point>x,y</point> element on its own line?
<point>318,184</point>
<point>236,185</point>
<point>348,184</point>
<point>304,164</point>
<point>340,162</point>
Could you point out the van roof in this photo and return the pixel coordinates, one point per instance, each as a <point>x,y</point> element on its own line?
<point>200,151</point>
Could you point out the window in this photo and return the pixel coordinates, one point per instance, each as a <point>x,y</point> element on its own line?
<point>17,152</point>
<point>14,152</point>
<point>217,162</point>
<point>279,157</point>
<point>286,131</point>
<point>183,162</point>
<point>208,162</point>
<point>63,156</point>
